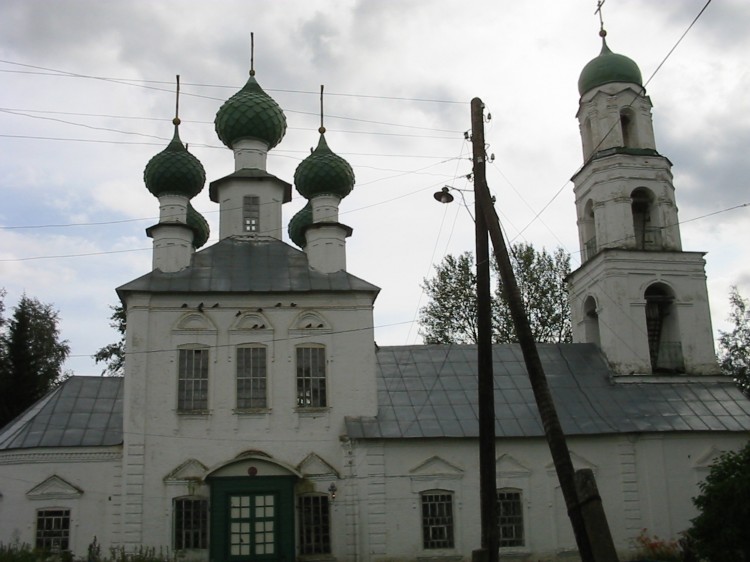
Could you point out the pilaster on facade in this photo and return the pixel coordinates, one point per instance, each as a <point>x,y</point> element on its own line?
<point>116,503</point>
<point>376,512</point>
<point>132,513</point>
<point>631,501</point>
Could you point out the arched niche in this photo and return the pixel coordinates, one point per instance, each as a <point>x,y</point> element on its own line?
<point>663,329</point>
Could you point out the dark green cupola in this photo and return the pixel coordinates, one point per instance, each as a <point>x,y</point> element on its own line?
<point>324,173</point>
<point>199,225</point>
<point>250,114</point>
<point>174,171</point>
<point>606,68</point>
<point>299,223</point>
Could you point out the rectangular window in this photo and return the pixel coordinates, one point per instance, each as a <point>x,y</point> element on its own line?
<point>251,213</point>
<point>192,388</point>
<point>314,525</point>
<point>311,377</point>
<point>53,529</point>
<point>190,523</point>
<point>510,517</point>
<point>437,520</point>
<point>251,378</point>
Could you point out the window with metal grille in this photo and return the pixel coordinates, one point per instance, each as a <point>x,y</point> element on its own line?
<point>314,525</point>
<point>437,520</point>
<point>190,523</point>
<point>192,387</point>
<point>53,529</point>
<point>251,378</point>
<point>250,213</point>
<point>311,377</point>
<point>510,517</point>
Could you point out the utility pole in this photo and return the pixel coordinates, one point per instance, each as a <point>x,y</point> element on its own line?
<point>599,548</point>
<point>485,377</point>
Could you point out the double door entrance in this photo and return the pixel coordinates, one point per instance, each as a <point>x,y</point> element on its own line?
<point>252,518</point>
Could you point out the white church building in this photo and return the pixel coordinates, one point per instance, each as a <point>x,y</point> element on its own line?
<point>257,419</point>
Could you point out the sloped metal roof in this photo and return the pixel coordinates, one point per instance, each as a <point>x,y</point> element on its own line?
<point>248,266</point>
<point>431,392</point>
<point>81,412</point>
<point>427,391</point>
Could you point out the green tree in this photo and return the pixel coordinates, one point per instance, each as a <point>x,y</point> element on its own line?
<point>113,355</point>
<point>720,532</point>
<point>450,315</point>
<point>32,356</point>
<point>734,346</point>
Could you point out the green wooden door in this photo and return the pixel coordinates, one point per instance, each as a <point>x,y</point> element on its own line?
<point>252,519</point>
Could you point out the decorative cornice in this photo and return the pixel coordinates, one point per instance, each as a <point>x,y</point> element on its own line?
<point>22,456</point>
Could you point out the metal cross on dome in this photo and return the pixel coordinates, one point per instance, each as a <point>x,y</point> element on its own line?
<point>599,4</point>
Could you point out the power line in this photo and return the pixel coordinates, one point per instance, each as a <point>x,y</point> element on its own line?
<point>64,73</point>
<point>24,111</point>
<point>276,152</point>
<point>300,337</point>
<point>135,82</point>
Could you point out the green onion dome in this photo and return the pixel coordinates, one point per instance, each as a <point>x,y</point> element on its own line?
<point>324,173</point>
<point>608,67</point>
<point>174,171</point>
<point>198,225</point>
<point>297,225</point>
<point>250,114</point>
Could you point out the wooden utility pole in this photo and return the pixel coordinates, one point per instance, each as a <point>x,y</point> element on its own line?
<point>485,377</point>
<point>602,545</point>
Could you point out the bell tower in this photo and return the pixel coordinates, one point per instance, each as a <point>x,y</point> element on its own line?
<point>637,294</point>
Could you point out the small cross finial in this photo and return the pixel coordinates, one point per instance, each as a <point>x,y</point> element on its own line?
<point>599,4</point>
<point>176,119</point>
<point>322,129</point>
<point>252,54</point>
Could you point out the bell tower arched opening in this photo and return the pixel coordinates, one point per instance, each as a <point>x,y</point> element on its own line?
<point>587,138</point>
<point>591,321</point>
<point>663,330</point>
<point>646,233</point>
<point>588,227</point>
<point>628,126</point>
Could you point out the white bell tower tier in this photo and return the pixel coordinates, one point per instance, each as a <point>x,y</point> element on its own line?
<point>637,294</point>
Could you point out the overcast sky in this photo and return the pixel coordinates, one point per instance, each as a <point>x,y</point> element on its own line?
<point>87,98</point>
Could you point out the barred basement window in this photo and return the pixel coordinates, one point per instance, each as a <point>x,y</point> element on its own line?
<point>510,517</point>
<point>251,378</point>
<point>251,213</point>
<point>437,520</point>
<point>53,529</point>
<point>192,387</point>
<point>190,523</point>
<point>314,525</point>
<point>311,377</point>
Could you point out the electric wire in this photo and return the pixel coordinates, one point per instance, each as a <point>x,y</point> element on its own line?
<point>213,98</point>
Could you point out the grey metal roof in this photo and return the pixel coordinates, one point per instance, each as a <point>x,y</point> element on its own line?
<point>245,265</point>
<point>81,412</point>
<point>428,391</point>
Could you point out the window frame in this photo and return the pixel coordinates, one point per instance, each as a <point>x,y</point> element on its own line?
<point>514,523</point>
<point>311,377</point>
<point>200,528</point>
<point>198,385</point>
<point>440,518</point>
<point>44,538</point>
<point>250,213</point>
<point>245,399</point>
<point>314,536</point>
